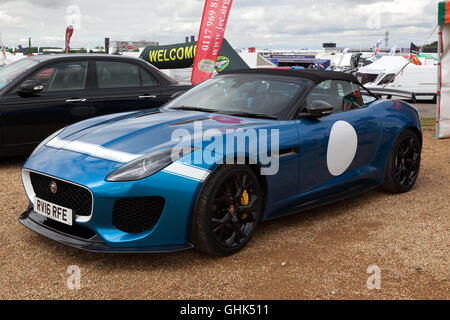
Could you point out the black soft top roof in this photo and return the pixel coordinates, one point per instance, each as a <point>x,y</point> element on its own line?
<point>316,76</point>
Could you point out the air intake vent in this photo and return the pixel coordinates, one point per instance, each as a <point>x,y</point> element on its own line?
<point>137,215</point>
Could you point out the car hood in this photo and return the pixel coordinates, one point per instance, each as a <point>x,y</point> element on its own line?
<point>140,133</point>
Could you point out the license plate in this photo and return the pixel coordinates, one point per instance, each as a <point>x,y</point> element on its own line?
<point>53,211</point>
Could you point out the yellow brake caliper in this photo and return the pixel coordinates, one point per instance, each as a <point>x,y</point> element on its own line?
<point>244,202</point>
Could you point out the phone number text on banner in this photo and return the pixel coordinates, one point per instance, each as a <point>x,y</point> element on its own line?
<point>212,30</point>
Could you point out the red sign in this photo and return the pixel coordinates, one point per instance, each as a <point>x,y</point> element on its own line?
<point>69,33</point>
<point>252,49</point>
<point>130,47</point>
<point>212,29</point>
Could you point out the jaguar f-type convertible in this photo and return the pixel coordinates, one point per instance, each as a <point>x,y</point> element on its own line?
<point>205,169</point>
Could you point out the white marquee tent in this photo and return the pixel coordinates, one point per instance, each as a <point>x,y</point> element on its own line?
<point>9,58</point>
<point>383,64</point>
<point>443,101</point>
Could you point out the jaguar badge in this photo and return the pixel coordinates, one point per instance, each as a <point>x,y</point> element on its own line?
<point>53,187</point>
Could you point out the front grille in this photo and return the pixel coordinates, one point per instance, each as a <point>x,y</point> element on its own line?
<point>67,195</point>
<point>137,215</point>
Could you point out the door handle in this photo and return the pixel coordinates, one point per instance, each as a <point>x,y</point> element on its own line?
<point>148,97</point>
<point>76,100</point>
<point>289,152</point>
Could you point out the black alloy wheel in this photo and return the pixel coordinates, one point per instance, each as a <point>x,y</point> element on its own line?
<point>228,210</point>
<point>403,164</point>
<point>406,162</point>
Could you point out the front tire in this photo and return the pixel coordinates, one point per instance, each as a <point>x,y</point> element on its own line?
<point>403,164</point>
<point>228,210</point>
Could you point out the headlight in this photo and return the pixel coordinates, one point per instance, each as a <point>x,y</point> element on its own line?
<point>43,143</point>
<point>147,165</point>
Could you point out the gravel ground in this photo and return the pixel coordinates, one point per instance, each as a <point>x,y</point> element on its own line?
<point>321,254</point>
<point>427,109</point>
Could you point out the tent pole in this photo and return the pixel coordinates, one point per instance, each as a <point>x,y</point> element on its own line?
<point>439,81</point>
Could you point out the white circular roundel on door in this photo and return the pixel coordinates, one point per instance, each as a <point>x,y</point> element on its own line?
<point>341,147</point>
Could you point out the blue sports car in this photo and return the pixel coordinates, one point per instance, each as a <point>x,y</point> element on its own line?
<point>204,170</point>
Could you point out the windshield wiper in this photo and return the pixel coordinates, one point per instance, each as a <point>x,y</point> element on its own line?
<point>252,115</point>
<point>194,109</point>
<point>230,113</point>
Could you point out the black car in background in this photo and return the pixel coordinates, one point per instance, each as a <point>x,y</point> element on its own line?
<point>42,94</point>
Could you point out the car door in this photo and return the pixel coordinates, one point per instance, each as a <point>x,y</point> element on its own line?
<point>336,150</point>
<point>123,86</point>
<point>27,120</point>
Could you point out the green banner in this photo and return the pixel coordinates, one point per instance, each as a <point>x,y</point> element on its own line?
<point>444,12</point>
<point>181,55</point>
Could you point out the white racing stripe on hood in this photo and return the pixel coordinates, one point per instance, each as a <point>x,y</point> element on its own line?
<point>93,150</point>
<point>187,171</point>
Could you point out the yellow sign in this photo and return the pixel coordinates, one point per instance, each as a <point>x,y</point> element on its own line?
<point>174,54</point>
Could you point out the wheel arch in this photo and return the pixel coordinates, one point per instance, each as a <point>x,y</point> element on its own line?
<point>416,131</point>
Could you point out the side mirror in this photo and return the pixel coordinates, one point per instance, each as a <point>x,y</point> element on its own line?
<point>30,87</point>
<point>319,108</point>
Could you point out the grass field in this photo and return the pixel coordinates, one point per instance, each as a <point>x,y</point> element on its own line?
<point>428,122</point>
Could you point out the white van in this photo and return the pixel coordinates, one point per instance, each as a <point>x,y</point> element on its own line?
<point>420,80</point>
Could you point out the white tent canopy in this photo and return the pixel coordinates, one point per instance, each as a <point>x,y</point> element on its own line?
<point>443,106</point>
<point>10,58</point>
<point>443,101</point>
<point>255,60</point>
<point>383,64</point>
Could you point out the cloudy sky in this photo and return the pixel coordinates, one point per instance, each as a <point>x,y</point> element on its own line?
<point>274,24</point>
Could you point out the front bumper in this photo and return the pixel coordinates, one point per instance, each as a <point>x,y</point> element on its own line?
<point>171,232</point>
<point>88,242</point>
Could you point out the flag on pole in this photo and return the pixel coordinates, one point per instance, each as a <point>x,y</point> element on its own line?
<point>414,60</point>
<point>414,49</point>
<point>342,56</point>
<point>212,29</point>
<point>4,54</point>
<point>444,12</point>
<point>393,51</point>
<point>377,48</point>
<point>69,33</point>
<point>2,49</point>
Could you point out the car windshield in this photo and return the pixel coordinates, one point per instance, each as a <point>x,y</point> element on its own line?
<point>243,94</point>
<point>15,69</point>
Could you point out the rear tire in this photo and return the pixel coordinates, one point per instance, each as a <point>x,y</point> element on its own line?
<point>434,99</point>
<point>403,163</point>
<point>228,210</point>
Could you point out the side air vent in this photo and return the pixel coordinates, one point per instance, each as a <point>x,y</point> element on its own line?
<point>137,215</point>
